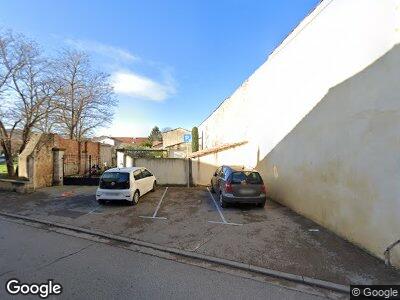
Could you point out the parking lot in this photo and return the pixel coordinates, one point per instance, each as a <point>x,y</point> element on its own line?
<point>190,219</point>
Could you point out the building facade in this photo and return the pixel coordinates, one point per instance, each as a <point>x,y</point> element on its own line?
<point>320,118</point>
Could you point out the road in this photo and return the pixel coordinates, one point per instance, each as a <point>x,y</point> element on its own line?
<point>92,270</point>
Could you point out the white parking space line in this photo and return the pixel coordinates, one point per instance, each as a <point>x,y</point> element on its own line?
<point>216,205</point>
<point>158,207</point>
<point>93,211</point>
<point>220,213</point>
<point>225,223</point>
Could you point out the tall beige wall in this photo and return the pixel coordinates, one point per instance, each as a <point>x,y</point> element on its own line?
<point>321,116</point>
<point>337,40</point>
<point>340,166</point>
<point>203,167</point>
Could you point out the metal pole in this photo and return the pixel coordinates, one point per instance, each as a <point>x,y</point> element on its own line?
<point>188,166</point>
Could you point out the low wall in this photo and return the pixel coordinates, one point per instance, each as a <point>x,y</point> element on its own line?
<point>172,171</point>
<point>19,186</point>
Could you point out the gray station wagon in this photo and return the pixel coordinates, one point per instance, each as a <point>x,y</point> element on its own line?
<point>235,185</point>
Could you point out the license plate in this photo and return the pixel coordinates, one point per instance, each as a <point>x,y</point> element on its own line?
<point>246,192</point>
<point>112,194</point>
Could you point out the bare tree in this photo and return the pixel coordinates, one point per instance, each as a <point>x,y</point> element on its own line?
<point>11,60</point>
<point>66,94</point>
<point>27,91</point>
<point>86,98</point>
<point>33,90</point>
<point>47,122</point>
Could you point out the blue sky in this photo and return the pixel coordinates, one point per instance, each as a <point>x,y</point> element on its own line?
<point>172,62</point>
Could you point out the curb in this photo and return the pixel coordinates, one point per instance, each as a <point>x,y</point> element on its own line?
<point>233,264</point>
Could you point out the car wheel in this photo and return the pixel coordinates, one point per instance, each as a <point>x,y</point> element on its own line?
<point>100,201</point>
<point>261,204</point>
<point>222,203</point>
<point>135,198</point>
<point>154,186</point>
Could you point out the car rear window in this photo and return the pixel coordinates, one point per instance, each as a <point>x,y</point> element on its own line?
<point>114,181</point>
<point>246,176</point>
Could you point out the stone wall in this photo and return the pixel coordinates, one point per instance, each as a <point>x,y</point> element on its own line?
<point>43,161</point>
<point>37,162</point>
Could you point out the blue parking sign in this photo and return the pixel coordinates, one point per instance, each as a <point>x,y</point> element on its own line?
<point>187,138</point>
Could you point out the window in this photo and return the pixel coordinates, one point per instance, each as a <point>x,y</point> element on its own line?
<point>248,177</point>
<point>114,181</point>
<point>226,172</point>
<point>146,173</point>
<point>137,175</point>
<point>218,172</point>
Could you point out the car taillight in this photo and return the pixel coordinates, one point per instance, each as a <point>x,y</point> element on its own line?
<point>228,188</point>
<point>263,189</point>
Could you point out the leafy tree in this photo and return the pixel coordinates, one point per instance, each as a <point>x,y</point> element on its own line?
<point>195,139</point>
<point>155,134</point>
<point>146,144</point>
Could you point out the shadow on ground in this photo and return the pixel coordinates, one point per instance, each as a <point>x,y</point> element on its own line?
<point>273,237</point>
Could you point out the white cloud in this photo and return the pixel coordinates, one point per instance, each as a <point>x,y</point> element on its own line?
<point>133,85</point>
<point>112,52</point>
<point>125,81</point>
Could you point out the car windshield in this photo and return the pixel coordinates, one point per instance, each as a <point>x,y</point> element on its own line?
<point>247,177</point>
<point>114,180</point>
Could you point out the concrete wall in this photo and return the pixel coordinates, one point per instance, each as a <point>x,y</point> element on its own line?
<point>172,171</point>
<point>167,170</point>
<point>106,153</point>
<point>339,166</point>
<point>173,137</point>
<point>120,159</point>
<point>107,141</point>
<point>337,40</point>
<point>203,167</point>
<point>19,186</point>
<point>174,153</point>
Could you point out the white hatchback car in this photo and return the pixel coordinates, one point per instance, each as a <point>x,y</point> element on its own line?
<point>125,184</point>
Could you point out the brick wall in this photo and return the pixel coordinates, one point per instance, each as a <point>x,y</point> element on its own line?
<point>78,156</point>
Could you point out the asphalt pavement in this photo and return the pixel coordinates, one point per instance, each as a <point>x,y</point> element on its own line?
<point>273,237</point>
<point>87,269</point>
